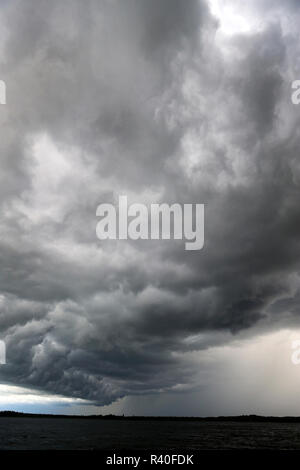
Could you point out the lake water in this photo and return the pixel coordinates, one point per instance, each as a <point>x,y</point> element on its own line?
<point>71,434</point>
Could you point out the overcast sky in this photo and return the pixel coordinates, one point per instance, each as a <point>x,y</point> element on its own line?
<point>170,101</point>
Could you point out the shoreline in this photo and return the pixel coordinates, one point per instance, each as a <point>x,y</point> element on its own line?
<point>240,419</point>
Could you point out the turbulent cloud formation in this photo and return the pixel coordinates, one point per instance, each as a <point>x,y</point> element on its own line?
<point>164,102</point>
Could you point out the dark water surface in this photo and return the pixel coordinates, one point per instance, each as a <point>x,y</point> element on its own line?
<point>71,434</point>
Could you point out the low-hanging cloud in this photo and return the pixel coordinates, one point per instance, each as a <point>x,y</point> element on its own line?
<point>144,98</point>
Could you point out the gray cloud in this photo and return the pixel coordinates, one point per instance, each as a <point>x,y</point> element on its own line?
<point>141,98</point>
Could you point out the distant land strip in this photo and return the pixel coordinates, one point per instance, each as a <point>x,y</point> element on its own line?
<point>242,418</point>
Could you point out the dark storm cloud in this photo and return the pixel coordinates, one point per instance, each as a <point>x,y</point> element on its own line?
<point>141,98</point>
